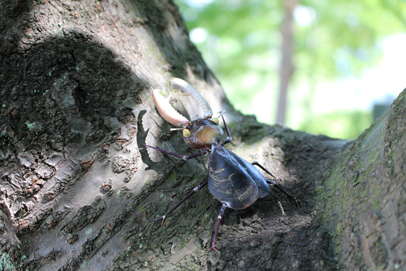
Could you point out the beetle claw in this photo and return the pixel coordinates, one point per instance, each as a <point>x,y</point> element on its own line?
<point>163,219</point>
<point>213,248</point>
<point>297,203</point>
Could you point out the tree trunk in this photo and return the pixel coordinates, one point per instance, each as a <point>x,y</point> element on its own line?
<point>79,191</point>
<point>286,68</point>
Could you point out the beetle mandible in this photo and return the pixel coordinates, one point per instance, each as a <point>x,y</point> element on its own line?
<point>236,183</point>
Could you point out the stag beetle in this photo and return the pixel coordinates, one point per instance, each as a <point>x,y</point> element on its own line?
<point>236,183</point>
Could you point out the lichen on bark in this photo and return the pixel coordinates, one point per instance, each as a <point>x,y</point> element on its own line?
<point>367,188</point>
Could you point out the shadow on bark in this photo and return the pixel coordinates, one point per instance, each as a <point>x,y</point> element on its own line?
<point>74,114</point>
<point>66,103</point>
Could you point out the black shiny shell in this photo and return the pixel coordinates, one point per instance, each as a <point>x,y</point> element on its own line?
<point>255,174</point>
<point>234,181</point>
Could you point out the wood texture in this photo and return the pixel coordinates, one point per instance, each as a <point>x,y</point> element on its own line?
<point>78,189</point>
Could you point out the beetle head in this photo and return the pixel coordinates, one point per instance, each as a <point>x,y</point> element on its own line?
<point>202,133</point>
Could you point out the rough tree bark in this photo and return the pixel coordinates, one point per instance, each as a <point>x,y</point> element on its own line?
<point>76,191</point>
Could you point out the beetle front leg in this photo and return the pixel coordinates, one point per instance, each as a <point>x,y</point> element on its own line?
<point>197,188</point>
<point>184,157</point>
<point>220,216</point>
<point>229,138</point>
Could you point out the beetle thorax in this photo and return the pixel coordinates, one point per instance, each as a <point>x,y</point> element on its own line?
<point>203,134</point>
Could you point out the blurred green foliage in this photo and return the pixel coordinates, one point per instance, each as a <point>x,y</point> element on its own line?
<point>341,124</point>
<point>240,42</point>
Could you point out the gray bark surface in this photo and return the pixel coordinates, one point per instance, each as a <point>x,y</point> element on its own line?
<point>79,191</point>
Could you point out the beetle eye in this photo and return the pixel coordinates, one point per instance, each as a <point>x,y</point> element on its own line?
<point>186,133</point>
<point>215,120</point>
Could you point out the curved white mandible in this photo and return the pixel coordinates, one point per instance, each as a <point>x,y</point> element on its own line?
<point>184,86</point>
<point>167,112</point>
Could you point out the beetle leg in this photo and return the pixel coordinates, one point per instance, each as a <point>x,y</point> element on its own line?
<point>255,163</point>
<point>283,191</point>
<point>274,183</point>
<point>229,138</point>
<point>220,216</point>
<point>184,157</point>
<point>197,188</point>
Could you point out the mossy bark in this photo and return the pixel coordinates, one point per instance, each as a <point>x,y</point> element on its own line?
<point>364,200</point>
<point>78,189</point>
